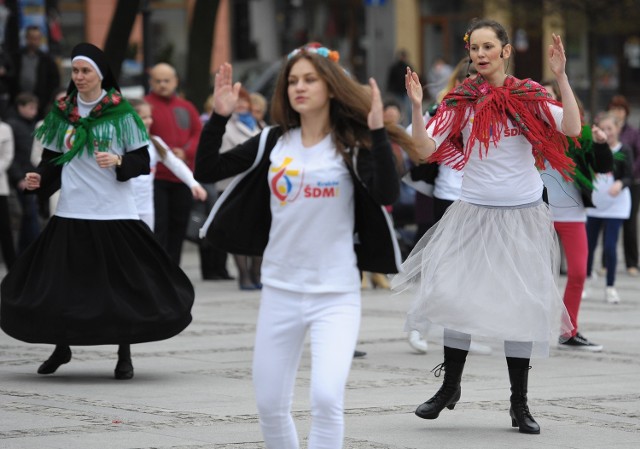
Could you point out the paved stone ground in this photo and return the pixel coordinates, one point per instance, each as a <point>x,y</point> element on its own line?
<point>194,391</point>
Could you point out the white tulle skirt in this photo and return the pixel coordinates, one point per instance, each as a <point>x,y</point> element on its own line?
<point>488,273</point>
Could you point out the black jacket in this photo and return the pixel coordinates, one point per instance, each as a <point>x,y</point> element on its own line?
<point>241,219</point>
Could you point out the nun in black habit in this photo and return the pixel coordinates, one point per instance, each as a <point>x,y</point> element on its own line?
<point>96,275</point>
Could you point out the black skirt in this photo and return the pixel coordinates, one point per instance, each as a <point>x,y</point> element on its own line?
<point>95,282</point>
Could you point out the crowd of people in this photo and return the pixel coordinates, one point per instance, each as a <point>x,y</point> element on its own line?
<point>505,169</point>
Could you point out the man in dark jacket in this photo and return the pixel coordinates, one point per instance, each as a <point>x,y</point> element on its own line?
<point>35,71</point>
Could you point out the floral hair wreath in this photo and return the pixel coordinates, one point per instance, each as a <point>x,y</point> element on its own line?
<point>332,55</point>
<point>466,40</point>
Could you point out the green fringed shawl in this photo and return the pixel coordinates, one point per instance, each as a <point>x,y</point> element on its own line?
<point>95,131</point>
<point>583,175</point>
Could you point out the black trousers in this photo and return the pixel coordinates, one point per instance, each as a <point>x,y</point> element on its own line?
<point>173,202</point>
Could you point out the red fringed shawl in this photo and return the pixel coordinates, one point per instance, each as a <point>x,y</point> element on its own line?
<point>524,102</point>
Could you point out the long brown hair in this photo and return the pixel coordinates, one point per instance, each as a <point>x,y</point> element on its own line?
<point>349,107</point>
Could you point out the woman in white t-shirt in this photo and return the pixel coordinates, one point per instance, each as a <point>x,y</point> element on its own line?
<point>303,188</point>
<point>96,275</point>
<point>485,270</point>
<point>612,201</point>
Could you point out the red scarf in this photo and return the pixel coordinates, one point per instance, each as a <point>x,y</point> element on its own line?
<point>524,102</point>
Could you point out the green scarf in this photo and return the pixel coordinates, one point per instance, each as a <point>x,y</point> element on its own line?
<point>95,131</point>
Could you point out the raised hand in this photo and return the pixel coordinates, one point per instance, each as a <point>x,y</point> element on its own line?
<point>598,135</point>
<point>225,93</point>
<point>557,56</point>
<point>375,118</point>
<point>414,88</point>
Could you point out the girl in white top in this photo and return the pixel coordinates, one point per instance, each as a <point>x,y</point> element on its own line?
<point>612,201</point>
<point>159,152</point>
<point>485,270</point>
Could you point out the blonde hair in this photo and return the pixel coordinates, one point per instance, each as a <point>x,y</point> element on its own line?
<point>463,70</point>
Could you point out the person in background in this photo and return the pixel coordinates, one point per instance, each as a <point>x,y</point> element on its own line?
<point>392,115</point>
<point>486,268</point>
<point>295,201</point>
<point>158,152</point>
<point>6,79</point>
<point>96,275</point>
<point>395,83</point>
<point>35,71</point>
<point>242,125</point>
<point>438,77</point>
<point>568,200</point>
<point>177,122</point>
<point>6,233</point>
<point>23,123</point>
<point>259,108</point>
<point>630,136</point>
<point>612,203</point>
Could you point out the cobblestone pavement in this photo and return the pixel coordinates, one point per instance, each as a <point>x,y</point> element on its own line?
<point>194,391</point>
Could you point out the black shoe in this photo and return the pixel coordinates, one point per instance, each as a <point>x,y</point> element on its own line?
<point>358,354</point>
<point>519,410</point>
<point>60,356</point>
<point>124,369</point>
<point>578,342</point>
<point>449,393</point>
<point>217,277</point>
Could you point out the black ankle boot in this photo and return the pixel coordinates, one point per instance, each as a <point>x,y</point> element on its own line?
<point>519,411</point>
<point>124,367</point>
<point>449,393</point>
<point>61,355</point>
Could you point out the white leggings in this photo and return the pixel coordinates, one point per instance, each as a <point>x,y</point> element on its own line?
<point>333,321</point>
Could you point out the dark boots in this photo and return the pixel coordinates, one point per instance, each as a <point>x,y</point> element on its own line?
<point>124,367</point>
<point>61,355</point>
<point>449,393</point>
<point>519,411</point>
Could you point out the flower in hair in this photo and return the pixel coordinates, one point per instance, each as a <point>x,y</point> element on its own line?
<point>332,55</point>
<point>466,40</point>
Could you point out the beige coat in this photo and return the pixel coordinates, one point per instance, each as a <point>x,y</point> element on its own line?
<point>235,133</point>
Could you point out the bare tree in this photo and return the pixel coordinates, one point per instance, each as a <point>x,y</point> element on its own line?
<point>200,46</point>
<point>603,18</point>
<point>115,47</point>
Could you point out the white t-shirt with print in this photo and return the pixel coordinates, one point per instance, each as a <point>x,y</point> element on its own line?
<point>310,245</point>
<point>504,176</point>
<point>90,192</point>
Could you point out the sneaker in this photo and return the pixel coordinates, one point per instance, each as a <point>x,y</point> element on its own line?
<point>611,295</point>
<point>417,342</point>
<point>633,272</point>
<point>477,348</point>
<point>578,342</point>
